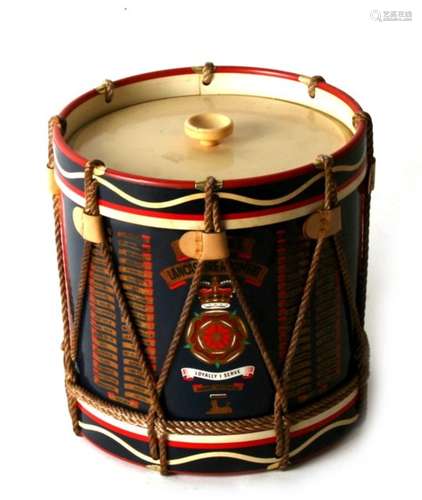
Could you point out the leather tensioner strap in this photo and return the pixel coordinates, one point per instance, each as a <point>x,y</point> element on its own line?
<point>204,246</point>
<point>324,223</point>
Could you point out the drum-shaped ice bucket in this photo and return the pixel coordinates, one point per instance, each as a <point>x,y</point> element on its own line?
<point>212,236</point>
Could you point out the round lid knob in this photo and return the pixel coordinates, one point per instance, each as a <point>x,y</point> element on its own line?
<point>208,128</point>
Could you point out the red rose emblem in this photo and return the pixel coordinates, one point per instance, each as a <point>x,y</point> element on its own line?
<point>216,337</point>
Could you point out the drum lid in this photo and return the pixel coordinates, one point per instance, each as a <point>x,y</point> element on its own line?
<point>155,163</point>
<point>270,134</point>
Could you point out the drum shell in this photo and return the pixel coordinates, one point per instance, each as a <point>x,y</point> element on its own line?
<point>272,260</point>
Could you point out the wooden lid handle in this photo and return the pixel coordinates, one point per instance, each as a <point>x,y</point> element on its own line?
<point>208,128</point>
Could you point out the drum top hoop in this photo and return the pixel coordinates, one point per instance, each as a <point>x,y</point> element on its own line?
<point>349,102</point>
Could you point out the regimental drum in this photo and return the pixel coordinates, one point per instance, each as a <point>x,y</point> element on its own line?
<point>212,237</point>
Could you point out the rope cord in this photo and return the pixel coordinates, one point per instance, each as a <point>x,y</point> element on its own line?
<point>67,359</point>
<point>366,198</point>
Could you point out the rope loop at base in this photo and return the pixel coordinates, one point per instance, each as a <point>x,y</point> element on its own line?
<point>165,427</point>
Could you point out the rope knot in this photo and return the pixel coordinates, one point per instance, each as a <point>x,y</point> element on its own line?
<point>157,433</point>
<point>106,88</point>
<point>360,116</point>
<point>69,378</point>
<point>313,83</point>
<point>91,187</point>
<point>212,223</point>
<point>160,427</point>
<point>208,73</point>
<point>210,185</point>
<point>325,163</point>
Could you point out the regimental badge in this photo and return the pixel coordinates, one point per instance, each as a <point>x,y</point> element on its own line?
<point>241,250</point>
<point>217,335</point>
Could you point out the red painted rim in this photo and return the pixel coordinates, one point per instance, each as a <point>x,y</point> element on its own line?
<point>189,184</point>
<point>135,463</point>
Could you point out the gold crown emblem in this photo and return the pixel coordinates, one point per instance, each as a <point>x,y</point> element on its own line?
<point>215,294</point>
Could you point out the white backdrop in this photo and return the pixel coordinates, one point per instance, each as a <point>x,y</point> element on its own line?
<point>51,52</point>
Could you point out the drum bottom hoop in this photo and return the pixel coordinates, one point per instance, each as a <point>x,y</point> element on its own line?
<point>222,446</point>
